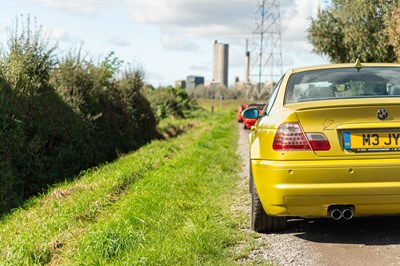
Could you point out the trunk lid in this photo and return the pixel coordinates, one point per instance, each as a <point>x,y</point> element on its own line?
<point>355,130</point>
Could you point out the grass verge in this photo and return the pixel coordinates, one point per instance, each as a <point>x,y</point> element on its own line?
<point>165,204</point>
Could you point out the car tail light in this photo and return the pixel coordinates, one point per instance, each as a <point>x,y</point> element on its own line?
<point>290,136</point>
<point>318,142</point>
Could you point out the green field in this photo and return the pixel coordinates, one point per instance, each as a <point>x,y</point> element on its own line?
<point>168,203</point>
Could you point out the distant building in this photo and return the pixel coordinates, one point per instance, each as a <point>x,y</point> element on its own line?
<point>193,81</point>
<point>221,55</point>
<point>180,84</point>
<point>239,85</point>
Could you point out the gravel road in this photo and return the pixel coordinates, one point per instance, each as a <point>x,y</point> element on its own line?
<point>363,241</point>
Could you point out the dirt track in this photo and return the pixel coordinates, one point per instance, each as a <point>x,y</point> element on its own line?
<point>363,241</point>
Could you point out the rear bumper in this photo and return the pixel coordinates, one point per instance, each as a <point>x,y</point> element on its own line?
<point>308,188</point>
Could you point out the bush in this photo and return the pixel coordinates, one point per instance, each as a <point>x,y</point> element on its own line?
<point>169,102</point>
<point>11,144</point>
<point>44,140</point>
<point>119,118</point>
<point>58,118</point>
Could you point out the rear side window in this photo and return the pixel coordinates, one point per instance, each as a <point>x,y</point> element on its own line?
<point>339,83</point>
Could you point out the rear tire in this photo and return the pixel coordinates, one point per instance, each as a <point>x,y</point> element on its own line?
<point>261,222</point>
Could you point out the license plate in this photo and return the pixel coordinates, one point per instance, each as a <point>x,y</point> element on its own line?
<point>372,141</point>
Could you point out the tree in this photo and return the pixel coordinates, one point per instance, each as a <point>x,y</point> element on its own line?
<point>353,29</point>
<point>393,29</point>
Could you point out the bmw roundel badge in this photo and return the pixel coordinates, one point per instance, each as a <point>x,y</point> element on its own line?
<point>382,114</point>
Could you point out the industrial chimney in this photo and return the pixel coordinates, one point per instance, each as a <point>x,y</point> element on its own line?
<point>220,71</point>
<point>247,64</point>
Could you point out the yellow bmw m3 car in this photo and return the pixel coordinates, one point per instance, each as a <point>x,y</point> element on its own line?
<point>327,145</point>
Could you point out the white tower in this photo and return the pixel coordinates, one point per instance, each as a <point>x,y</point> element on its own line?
<point>247,64</point>
<point>221,55</point>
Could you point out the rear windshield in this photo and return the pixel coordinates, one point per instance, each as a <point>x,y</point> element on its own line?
<point>339,83</point>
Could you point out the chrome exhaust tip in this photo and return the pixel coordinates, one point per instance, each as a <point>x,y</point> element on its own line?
<point>336,214</point>
<point>347,213</point>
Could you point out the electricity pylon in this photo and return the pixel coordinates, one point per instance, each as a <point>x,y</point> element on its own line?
<point>267,42</point>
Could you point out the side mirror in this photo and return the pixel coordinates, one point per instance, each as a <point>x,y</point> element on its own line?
<point>251,113</point>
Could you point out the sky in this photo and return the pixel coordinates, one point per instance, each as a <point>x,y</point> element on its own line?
<point>168,39</point>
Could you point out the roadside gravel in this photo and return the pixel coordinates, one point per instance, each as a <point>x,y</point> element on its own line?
<point>271,249</point>
<point>363,241</point>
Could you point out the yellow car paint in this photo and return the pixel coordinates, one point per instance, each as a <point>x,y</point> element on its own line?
<point>306,182</point>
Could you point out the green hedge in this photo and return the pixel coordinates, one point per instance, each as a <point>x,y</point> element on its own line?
<point>60,116</point>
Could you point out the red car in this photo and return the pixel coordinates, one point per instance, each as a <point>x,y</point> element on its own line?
<point>247,122</point>
<point>241,108</point>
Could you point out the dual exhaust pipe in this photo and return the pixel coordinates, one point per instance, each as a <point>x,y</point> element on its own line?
<point>339,212</point>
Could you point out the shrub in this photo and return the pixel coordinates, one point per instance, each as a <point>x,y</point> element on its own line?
<point>44,140</point>
<point>169,102</point>
<point>11,144</point>
<point>118,116</point>
<point>60,117</point>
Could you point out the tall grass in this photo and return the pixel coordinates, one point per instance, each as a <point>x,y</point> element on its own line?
<point>165,204</point>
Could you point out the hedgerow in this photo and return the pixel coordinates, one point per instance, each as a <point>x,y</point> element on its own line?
<point>59,116</point>
<point>169,102</point>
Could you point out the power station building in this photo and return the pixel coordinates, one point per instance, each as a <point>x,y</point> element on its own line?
<point>193,81</point>
<point>220,71</point>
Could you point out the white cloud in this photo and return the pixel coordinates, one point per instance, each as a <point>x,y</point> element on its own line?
<point>88,7</point>
<point>57,33</point>
<point>295,18</point>
<point>189,11</point>
<point>200,18</point>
